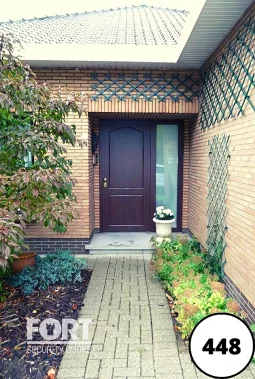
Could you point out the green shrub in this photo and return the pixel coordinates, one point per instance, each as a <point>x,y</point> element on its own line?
<point>181,265</point>
<point>60,267</point>
<point>4,275</point>
<point>3,292</point>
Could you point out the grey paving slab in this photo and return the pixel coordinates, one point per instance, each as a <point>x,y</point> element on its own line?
<point>66,373</point>
<point>132,333</point>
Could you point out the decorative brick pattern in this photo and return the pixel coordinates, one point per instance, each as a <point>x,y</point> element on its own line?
<point>229,80</point>
<point>240,201</point>
<point>161,87</point>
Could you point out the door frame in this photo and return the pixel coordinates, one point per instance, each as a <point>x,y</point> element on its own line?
<point>152,124</point>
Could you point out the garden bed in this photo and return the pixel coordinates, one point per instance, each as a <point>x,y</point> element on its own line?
<point>193,289</point>
<point>58,302</point>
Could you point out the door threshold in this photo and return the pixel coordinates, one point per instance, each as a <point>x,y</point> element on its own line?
<point>121,242</point>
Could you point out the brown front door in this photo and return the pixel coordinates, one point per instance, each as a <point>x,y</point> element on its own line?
<point>126,176</point>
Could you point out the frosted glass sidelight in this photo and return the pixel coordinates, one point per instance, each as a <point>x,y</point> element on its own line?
<point>167,167</point>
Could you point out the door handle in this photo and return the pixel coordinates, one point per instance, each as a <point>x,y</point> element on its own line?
<point>105,182</point>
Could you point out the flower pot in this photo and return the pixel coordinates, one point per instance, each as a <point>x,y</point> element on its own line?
<point>163,227</point>
<point>23,260</point>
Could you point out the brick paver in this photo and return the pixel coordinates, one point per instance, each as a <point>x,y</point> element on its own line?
<point>132,331</point>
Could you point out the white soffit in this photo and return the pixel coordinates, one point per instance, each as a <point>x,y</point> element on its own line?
<point>207,25</point>
<point>73,53</point>
<point>70,54</point>
<point>214,23</point>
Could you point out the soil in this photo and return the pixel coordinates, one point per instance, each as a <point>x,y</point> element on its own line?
<point>17,360</point>
<point>183,345</point>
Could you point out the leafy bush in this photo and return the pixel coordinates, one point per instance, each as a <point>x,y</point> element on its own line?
<point>60,267</point>
<point>5,273</point>
<point>33,123</point>
<point>3,292</point>
<point>180,264</point>
<point>11,237</point>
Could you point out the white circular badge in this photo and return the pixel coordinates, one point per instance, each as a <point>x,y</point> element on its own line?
<point>221,345</point>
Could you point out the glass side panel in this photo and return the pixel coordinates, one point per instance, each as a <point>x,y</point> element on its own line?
<point>167,167</point>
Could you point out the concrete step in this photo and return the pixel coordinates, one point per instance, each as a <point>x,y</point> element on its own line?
<point>121,243</point>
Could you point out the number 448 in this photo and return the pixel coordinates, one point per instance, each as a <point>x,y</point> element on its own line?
<point>222,346</point>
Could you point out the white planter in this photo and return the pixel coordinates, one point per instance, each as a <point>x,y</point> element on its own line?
<point>163,227</point>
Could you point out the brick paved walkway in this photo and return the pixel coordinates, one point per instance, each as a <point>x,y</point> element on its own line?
<point>132,331</point>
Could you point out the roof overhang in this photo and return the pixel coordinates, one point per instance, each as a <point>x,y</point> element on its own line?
<point>74,54</point>
<point>208,23</point>
<point>45,52</point>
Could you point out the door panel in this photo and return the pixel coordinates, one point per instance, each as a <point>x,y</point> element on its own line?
<point>126,144</point>
<point>123,210</point>
<point>125,156</point>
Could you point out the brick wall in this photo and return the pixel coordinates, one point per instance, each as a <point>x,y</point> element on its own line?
<point>240,202</point>
<point>96,178</point>
<point>185,200</point>
<point>87,175</point>
<point>81,160</point>
<point>50,245</point>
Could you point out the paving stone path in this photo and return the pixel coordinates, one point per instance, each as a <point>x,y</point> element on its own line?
<point>132,331</point>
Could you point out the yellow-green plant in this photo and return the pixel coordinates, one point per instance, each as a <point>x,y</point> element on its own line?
<point>180,264</point>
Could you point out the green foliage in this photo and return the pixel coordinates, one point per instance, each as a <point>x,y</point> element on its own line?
<point>4,275</point>
<point>11,237</point>
<point>252,327</point>
<point>33,121</point>
<point>181,265</point>
<point>3,292</point>
<point>215,261</point>
<point>165,272</point>
<point>60,267</point>
<point>194,244</point>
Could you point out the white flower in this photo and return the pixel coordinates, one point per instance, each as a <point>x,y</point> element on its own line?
<point>167,212</point>
<point>159,209</point>
<point>159,240</point>
<point>167,239</point>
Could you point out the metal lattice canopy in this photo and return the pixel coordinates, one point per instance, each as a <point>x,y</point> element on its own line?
<point>216,200</point>
<point>227,83</point>
<point>176,87</point>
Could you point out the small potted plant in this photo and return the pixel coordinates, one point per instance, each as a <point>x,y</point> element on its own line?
<point>163,219</point>
<point>23,260</point>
